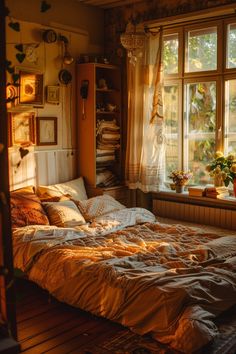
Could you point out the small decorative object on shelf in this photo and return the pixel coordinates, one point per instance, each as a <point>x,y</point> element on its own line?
<point>180,179</point>
<point>223,169</point>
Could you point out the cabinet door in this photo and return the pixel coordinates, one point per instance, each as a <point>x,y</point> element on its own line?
<point>86,124</point>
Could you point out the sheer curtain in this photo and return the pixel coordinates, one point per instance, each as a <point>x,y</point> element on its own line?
<point>145,152</point>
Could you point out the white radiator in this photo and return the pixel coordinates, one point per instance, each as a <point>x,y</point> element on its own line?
<point>224,218</point>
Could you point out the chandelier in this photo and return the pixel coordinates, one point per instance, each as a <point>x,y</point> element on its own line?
<point>133,40</point>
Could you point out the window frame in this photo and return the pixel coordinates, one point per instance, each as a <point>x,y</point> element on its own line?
<point>220,76</point>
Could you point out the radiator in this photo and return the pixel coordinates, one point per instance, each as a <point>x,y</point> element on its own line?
<point>224,218</point>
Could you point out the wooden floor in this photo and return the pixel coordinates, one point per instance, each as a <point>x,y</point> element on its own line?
<point>48,326</point>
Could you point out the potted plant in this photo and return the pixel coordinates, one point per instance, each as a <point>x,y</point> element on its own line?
<point>223,170</point>
<point>180,179</point>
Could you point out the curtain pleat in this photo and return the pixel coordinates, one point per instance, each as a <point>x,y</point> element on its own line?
<point>145,153</point>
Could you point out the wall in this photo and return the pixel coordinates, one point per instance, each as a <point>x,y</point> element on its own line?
<point>145,11</point>
<point>83,27</point>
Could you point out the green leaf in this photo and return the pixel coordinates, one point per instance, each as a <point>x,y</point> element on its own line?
<point>45,6</point>
<point>19,47</point>
<point>20,57</point>
<point>15,26</point>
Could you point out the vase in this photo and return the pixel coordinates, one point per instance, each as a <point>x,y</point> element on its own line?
<point>179,189</point>
<point>218,181</point>
<point>234,186</point>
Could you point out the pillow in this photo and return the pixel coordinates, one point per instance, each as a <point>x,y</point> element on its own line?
<point>73,189</point>
<point>64,214</point>
<point>100,205</point>
<point>26,208</point>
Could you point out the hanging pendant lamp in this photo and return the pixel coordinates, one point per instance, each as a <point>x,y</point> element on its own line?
<point>133,40</point>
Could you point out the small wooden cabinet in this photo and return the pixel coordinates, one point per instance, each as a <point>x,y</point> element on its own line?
<point>100,129</point>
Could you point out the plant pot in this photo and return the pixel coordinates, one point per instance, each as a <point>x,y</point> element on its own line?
<point>218,181</point>
<point>179,189</point>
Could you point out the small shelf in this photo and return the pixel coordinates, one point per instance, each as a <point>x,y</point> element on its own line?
<point>107,112</point>
<point>107,90</point>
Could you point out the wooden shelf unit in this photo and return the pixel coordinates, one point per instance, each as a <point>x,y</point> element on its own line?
<point>95,109</point>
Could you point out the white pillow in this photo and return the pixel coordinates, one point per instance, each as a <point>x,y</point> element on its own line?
<point>63,214</point>
<point>100,205</point>
<point>74,189</point>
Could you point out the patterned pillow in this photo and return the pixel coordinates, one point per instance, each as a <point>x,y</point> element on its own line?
<point>26,208</point>
<point>64,214</point>
<point>73,189</point>
<point>96,206</point>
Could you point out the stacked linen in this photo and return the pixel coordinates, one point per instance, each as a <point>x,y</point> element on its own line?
<point>108,135</point>
<point>104,156</point>
<point>106,178</point>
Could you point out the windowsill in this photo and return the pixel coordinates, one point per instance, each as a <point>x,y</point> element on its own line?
<point>169,195</point>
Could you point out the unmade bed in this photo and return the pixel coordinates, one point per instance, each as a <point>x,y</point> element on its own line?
<point>168,280</point>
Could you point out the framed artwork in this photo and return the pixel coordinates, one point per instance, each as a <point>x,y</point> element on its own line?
<point>22,128</point>
<point>31,88</point>
<point>53,94</point>
<point>46,131</point>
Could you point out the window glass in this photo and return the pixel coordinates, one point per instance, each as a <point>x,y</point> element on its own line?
<point>231,46</point>
<point>170,54</point>
<point>171,114</point>
<point>200,126</point>
<point>230,116</point>
<point>201,50</point>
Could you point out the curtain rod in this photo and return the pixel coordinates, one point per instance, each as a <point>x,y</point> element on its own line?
<point>180,22</point>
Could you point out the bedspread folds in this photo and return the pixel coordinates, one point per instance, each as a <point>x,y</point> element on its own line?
<point>168,280</point>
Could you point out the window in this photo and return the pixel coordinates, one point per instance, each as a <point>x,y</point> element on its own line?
<point>199,94</point>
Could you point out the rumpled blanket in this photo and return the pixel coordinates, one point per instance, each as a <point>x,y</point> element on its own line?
<point>167,280</point>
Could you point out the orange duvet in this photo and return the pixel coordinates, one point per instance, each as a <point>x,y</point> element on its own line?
<point>167,280</point>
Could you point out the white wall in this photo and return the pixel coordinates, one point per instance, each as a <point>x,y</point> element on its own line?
<point>52,163</point>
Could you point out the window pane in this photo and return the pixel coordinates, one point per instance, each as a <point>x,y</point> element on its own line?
<point>201,54</point>
<point>170,54</point>
<point>231,46</point>
<point>230,116</point>
<point>171,112</point>
<point>200,112</point>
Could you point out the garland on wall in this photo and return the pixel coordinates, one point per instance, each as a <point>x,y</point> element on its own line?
<point>20,54</point>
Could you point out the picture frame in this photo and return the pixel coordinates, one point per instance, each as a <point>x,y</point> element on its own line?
<point>22,128</point>
<point>53,94</point>
<point>46,130</point>
<point>31,89</point>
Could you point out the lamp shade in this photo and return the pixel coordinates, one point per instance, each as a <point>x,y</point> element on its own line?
<point>133,40</point>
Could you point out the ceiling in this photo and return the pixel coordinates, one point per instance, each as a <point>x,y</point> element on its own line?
<point>108,4</point>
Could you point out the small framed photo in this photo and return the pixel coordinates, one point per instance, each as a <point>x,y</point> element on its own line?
<point>22,128</point>
<point>31,88</point>
<point>53,94</point>
<point>46,131</point>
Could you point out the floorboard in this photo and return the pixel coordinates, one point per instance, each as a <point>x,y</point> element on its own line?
<point>46,325</point>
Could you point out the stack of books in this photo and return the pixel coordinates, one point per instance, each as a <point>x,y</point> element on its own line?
<point>217,192</point>
<point>196,191</point>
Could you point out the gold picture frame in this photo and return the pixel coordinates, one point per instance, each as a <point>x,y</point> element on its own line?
<point>22,128</point>
<point>46,130</point>
<point>31,90</point>
<point>53,94</point>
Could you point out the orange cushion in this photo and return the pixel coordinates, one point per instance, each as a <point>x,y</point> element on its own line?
<point>26,208</point>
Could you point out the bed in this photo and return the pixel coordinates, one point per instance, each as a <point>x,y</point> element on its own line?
<point>169,280</point>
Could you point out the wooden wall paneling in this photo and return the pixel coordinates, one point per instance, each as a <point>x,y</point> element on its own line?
<point>233,220</point>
